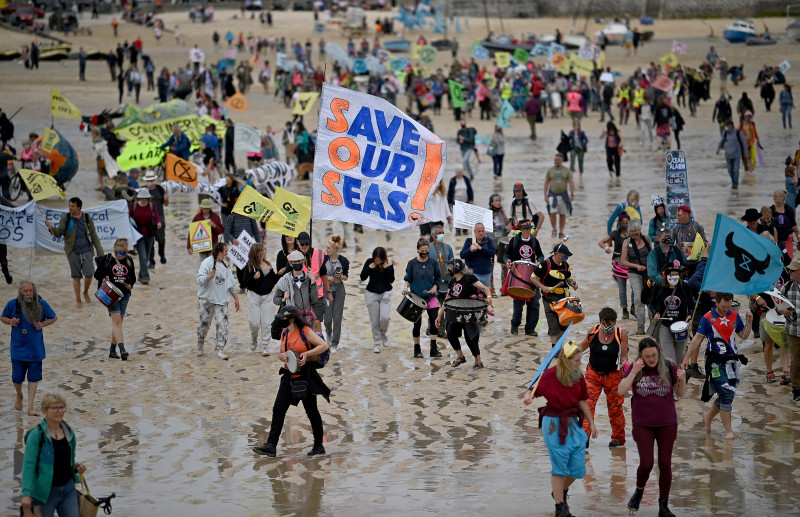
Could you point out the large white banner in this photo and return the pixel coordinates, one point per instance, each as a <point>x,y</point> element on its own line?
<point>374,165</point>
<point>268,177</point>
<point>16,225</point>
<point>111,222</point>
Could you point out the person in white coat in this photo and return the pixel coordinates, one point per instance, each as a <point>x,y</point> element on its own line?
<point>217,283</point>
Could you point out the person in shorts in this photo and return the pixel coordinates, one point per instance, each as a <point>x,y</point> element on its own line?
<point>117,269</point>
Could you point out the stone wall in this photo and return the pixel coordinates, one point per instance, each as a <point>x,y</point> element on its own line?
<point>610,8</point>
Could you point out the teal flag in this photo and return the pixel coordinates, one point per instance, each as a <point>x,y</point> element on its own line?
<point>740,261</point>
<point>456,94</point>
<point>505,114</point>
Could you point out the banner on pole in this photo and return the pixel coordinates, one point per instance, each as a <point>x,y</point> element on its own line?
<point>111,221</point>
<point>677,185</point>
<point>178,169</point>
<point>374,165</point>
<point>246,138</point>
<point>255,206</point>
<point>297,210</point>
<point>61,107</point>
<point>40,185</point>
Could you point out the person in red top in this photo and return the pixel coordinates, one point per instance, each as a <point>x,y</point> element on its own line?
<point>145,215</point>
<point>564,388</point>
<point>290,393</point>
<point>138,43</point>
<point>654,380</point>
<point>217,228</point>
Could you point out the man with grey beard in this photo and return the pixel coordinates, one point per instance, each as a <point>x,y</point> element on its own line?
<point>27,314</point>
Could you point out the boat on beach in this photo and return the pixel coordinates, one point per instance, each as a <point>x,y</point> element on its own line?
<point>397,45</point>
<point>506,44</point>
<point>793,31</point>
<point>739,31</point>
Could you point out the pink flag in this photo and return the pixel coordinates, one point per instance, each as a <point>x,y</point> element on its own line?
<point>678,47</point>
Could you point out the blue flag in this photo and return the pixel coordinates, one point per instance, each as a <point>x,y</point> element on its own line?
<point>506,110</point>
<point>554,352</point>
<point>740,261</point>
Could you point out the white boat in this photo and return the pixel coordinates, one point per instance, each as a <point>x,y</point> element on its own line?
<point>575,40</point>
<point>793,31</point>
<point>614,33</point>
<point>739,31</point>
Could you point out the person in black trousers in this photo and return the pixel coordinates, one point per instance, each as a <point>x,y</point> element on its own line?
<point>230,162</point>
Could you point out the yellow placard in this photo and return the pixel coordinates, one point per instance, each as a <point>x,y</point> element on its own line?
<point>503,59</point>
<point>582,67</point>
<point>41,186</point>
<point>255,206</point>
<point>200,236</point>
<point>178,169</point>
<point>297,210</point>
<point>305,103</point>
<point>49,140</point>
<point>565,66</point>
<point>669,59</point>
<point>61,107</point>
<point>601,60</point>
<point>237,102</point>
<point>415,52</point>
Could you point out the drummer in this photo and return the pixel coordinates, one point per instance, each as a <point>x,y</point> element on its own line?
<point>422,276</point>
<point>117,268</point>
<point>552,276</point>
<point>525,247</point>
<point>464,285</point>
<point>671,301</point>
<point>441,253</point>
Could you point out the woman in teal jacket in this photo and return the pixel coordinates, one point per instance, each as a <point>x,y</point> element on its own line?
<point>49,471</point>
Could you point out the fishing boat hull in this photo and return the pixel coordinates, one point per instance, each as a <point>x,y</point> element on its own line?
<point>397,45</point>
<point>760,41</point>
<point>495,46</point>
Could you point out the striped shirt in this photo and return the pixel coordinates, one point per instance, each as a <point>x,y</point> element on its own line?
<point>792,292</point>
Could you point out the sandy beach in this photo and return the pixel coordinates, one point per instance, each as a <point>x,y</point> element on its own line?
<point>171,433</point>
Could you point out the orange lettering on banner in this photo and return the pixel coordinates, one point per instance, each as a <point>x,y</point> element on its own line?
<point>328,181</point>
<point>339,125</point>
<point>433,162</point>
<point>333,154</point>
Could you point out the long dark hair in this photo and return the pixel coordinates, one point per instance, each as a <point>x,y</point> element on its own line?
<point>299,320</point>
<point>380,252</point>
<point>285,245</point>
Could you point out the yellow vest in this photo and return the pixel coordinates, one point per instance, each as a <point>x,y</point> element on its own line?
<point>638,98</point>
<point>624,93</point>
<point>506,93</point>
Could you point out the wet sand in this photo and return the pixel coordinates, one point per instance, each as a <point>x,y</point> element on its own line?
<point>171,433</point>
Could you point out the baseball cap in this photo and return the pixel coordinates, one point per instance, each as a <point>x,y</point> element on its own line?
<point>303,238</point>
<point>285,311</point>
<point>562,248</point>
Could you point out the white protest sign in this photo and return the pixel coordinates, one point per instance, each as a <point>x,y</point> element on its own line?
<point>246,138</point>
<point>111,222</point>
<point>467,216</point>
<point>239,253</point>
<point>784,66</point>
<point>374,165</point>
<point>586,52</point>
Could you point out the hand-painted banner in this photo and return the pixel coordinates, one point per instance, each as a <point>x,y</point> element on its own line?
<point>540,50</point>
<point>466,216</point>
<point>269,177</point>
<point>203,187</point>
<point>61,107</point>
<point>111,221</point>
<point>586,52</point>
<point>193,126</point>
<point>480,53</point>
<point>200,236</point>
<point>305,103</point>
<point>677,178</point>
<point>40,185</point>
<point>16,225</point>
<point>663,83</point>
<point>374,165</point>
<point>669,59</point>
<point>238,253</point>
<point>297,210</point>
<point>582,67</point>
<point>140,154</point>
<point>427,55</point>
<point>237,102</point>
<point>678,47</point>
<point>521,56</point>
<point>49,139</point>
<point>246,138</point>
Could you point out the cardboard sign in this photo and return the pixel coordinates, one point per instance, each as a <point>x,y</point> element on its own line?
<point>200,236</point>
<point>467,216</point>
<point>239,253</point>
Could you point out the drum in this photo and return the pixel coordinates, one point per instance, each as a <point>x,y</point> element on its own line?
<point>569,310</point>
<point>680,331</point>
<point>464,310</point>
<point>775,325</point>
<point>519,284</point>
<point>108,294</point>
<point>412,307</point>
<point>292,361</point>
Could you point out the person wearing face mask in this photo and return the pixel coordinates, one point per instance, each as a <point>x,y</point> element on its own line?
<point>229,194</point>
<point>660,219</point>
<point>608,351</point>
<point>216,284</point>
<point>660,255</point>
<point>629,206</point>
<point>612,245</point>
<point>633,256</point>
<point>524,246</point>
<point>339,268</point>
<point>117,268</point>
<point>288,245</point>
<point>464,284</point>
<point>671,302</point>
<point>656,383</point>
<point>159,198</point>
<point>686,230</point>
<point>315,266</point>
<point>421,278</point>
<point>298,288</point>
<point>553,276</point>
<point>442,253</point>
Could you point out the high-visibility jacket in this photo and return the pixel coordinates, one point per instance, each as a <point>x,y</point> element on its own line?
<point>638,97</point>
<point>624,94</point>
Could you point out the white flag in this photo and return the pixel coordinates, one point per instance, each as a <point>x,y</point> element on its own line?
<point>246,138</point>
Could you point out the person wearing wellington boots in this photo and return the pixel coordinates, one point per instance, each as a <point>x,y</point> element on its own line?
<point>117,268</point>
<point>303,385</point>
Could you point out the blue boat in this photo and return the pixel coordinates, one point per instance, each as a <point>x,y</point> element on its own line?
<point>739,31</point>
<point>397,45</point>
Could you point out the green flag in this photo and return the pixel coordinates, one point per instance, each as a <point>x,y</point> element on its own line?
<point>521,56</point>
<point>456,95</point>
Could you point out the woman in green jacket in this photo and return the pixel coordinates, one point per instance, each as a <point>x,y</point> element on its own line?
<point>49,471</point>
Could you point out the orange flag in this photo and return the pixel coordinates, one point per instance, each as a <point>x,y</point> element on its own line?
<point>237,102</point>
<point>178,169</point>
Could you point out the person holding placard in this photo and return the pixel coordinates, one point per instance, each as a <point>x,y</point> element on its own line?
<point>216,283</point>
<point>206,212</point>
<point>234,225</point>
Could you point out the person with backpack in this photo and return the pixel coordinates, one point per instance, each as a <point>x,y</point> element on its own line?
<point>722,112</point>
<point>671,302</point>
<point>608,351</point>
<point>554,277</point>
<point>654,381</point>
<point>303,385</point>
<point>49,471</point>
<point>633,256</point>
<point>117,268</point>
<point>736,151</point>
<point>27,315</point>
<point>660,255</point>
<point>607,95</point>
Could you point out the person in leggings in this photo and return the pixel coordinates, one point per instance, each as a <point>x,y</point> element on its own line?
<point>654,380</point>
<point>464,285</point>
<point>422,276</point>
